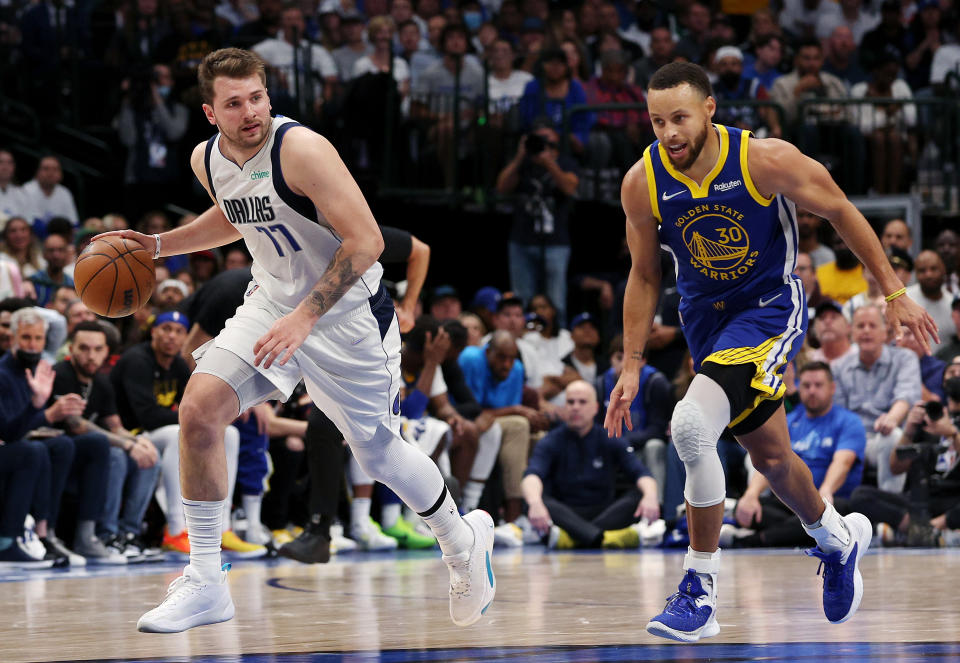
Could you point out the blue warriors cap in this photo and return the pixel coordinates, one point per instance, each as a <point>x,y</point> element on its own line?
<point>172,316</point>
<point>582,318</point>
<point>486,298</point>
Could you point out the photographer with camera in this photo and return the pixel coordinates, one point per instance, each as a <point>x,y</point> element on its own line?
<point>544,182</point>
<point>929,511</point>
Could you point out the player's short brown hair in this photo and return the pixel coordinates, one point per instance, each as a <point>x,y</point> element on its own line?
<point>229,62</point>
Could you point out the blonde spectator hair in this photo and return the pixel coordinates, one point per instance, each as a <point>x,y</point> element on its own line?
<point>378,22</point>
<point>229,62</point>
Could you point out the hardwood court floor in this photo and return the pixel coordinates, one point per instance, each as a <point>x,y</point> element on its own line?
<point>549,607</point>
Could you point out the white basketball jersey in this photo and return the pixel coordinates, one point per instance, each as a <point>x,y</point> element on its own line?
<point>290,241</point>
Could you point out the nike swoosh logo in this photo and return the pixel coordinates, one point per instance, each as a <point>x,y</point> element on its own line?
<point>665,197</point>
<point>361,338</point>
<point>764,303</point>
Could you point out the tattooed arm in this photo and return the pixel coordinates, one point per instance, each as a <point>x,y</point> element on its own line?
<point>313,168</point>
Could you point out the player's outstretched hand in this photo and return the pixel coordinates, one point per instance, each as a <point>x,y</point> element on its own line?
<point>904,312</point>
<point>618,412</point>
<point>148,243</point>
<point>283,338</point>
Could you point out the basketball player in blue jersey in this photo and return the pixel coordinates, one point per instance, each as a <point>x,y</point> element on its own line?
<point>315,310</point>
<point>723,204</point>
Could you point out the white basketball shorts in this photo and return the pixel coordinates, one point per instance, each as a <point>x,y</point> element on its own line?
<point>350,365</point>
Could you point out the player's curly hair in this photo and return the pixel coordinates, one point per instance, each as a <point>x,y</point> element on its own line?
<point>677,73</point>
<point>229,62</point>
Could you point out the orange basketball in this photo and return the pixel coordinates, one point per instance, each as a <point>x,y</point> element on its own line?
<point>114,276</point>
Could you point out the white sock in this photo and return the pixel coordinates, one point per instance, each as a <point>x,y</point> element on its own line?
<point>389,515</point>
<point>471,494</point>
<point>359,514</point>
<point>453,535</point>
<point>830,532</point>
<point>251,506</point>
<point>204,527</point>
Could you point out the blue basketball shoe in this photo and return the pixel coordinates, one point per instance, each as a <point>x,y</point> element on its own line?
<point>691,613</point>
<point>842,582</point>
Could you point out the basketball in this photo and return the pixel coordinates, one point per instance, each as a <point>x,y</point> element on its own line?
<point>114,276</point>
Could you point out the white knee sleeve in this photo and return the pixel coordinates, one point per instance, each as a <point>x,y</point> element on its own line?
<point>698,421</point>
<point>404,469</point>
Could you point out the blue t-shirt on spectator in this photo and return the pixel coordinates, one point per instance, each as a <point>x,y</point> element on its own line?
<point>535,104</point>
<point>490,393</point>
<point>816,439</point>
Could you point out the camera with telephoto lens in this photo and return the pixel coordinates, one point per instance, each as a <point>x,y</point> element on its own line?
<point>535,144</point>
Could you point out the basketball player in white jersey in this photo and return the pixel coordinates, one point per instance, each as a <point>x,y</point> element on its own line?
<point>315,310</point>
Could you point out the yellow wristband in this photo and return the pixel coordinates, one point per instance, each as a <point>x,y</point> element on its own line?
<point>894,295</point>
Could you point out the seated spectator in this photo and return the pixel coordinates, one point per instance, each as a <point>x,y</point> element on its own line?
<point>149,381</point>
<point>650,410</point>
<point>546,99</point>
<point>315,68</point>
<point>843,278</point>
<point>821,127</point>
<point>13,201</point>
<point>236,257</point>
<point>874,293</point>
<point>445,303</point>
<point>896,233</point>
<point>830,440</point>
<point>21,471</point>
<point>264,26</point>
<point>696,23</point>
<point>476,330</point>
<point>505,84</point>
<point>951,345</point>
<point>169,293</point>
<point>434,94</point>
<point>577,59</point>
<point>381,58</point>
<point>75,313</point>
<point>928,452</point>
<point>573,501</point>
<point>203,267</point>
<point>902,264</point>
<point>48,197</point>
<point>887,126</point>
<point>732,86</point>
<point>853,16</point>
<point>878,384</point>
<point>484,305</point>
<point>20,245</point>
<point>947,246</point>
<point>890,33</point>
<point>429,53</point>
<point>354,45</point>
<point>800,17</point>
<point>48,280</point>
<point>133,464</point>
<point>930,293</point>
<point>408,40</point>
<point>924,36</point>
<point>617,137</point>
<point>832,329</point>
<point>766,66</point>
<point>495,378</point>
<point>661,53</point>
<point>585,336</point>
<point>545,182</point>
<point>26,383</point>
<point>840,57</point>
<point>808,277</point>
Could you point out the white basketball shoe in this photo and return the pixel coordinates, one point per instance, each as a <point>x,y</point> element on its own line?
<point>472,586</point>
<point>190,602</point>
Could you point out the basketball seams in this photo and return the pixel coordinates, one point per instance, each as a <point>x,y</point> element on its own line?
<point>93,276</point>
<point>136,283</point>
<point>113,290</point>
<point>119,248</point>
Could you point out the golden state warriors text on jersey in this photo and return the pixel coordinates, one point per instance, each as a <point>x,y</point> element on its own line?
<point>728,241</point>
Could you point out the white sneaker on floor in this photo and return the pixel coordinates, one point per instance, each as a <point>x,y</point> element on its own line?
<point>472,585</point>
<point>730,533</point>
<point>508,535</point>
<point>190,602</point>
<point>530,535</point>
<point>369,537</point>
<point>58,545</point>
<point>338,542</point>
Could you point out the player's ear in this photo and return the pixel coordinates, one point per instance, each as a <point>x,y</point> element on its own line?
<point>208,111</point>
<point>710,104</point>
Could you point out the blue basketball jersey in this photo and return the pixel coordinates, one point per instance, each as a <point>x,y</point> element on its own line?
<point>729,243</point>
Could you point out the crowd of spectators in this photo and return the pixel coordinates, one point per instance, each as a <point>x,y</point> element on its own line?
<point>503,389</point>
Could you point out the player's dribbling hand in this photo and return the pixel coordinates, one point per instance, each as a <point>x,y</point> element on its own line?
<point>148,243</point>
<point>618,412</point>
<point>283,338</point>
<point>904,312</point>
